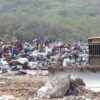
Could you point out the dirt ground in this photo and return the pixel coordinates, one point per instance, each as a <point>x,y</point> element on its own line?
<point>25,86</point>
<point>21,86</point>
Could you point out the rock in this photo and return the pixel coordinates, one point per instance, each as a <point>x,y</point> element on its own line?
<point>20,72</point>
<point>56,88</point>
<point>76,98</point>
<point>44,90</point>
<point>79,82</point>
<point>74,84</point>
<point>69,98</point>
<point>48,84</point>
<point>73,92</point>
<point>60,87</point>
<point>97,98</point>
<point>35,98</point>
<point>83,91</point>
<point>8,97</point>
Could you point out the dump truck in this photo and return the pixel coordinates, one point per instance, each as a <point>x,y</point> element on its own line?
<point>90,73</point>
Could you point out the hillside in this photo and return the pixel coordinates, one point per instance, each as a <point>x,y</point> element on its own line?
<point>66,20</point>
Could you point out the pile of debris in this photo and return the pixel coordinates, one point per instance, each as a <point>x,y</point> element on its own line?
<point>22,66</point>
<point>64,88</point>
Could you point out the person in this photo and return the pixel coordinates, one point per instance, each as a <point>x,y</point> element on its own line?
<point>41,48</point>
<point>46,41</point>
<point>28,49</point>
<point>14,51</point>
<point>1,51</point>
<point>19,46</point>
<point>37,44</point>
<point>6,53</point>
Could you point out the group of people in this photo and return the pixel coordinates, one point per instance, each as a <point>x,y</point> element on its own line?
<point>57,52</point>
<point>12,50</point>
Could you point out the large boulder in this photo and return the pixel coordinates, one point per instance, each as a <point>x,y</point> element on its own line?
<point>44,90</point>
<point>74,84</point>
<point>60,87</point>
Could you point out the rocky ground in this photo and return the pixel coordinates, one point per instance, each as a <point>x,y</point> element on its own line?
<point>23,87</point>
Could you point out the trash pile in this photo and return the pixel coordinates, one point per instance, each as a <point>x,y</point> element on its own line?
<point>64,88</point>
<point>18,56</point>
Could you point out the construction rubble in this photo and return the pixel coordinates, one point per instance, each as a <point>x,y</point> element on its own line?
<point>64,88</point>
